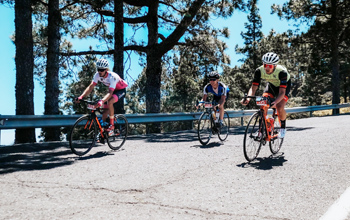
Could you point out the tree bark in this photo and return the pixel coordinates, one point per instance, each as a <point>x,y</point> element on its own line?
<point>119,48</point>
<point>52,69</point>
<point>24,68</point>
<point>153,70</point>
<point>335,56</point>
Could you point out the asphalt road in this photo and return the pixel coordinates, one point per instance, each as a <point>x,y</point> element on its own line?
<point>170,176</point>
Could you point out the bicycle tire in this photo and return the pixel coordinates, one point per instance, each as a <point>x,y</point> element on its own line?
<point>253,139</point>
<point>276,143</point>
<point>225,128</point>
<point>82,136</point>
<point>204,128</point>
<point>117,139</point>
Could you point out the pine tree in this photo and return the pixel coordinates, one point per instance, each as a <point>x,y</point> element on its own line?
<point>329,30</point>
<point>24,68</point>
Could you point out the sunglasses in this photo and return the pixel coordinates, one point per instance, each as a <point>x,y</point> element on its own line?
<point>212,79</point>
<point>101,70</point>
<point>271,66</point>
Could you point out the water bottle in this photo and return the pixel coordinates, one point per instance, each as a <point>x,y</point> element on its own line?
<point>102,122</point>
<point>217,116</point>
<point>272,121</point>
<point>268,124</point>
<point>214,115</point>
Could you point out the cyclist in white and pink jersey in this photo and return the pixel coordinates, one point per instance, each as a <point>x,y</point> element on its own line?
<point>116,87</point>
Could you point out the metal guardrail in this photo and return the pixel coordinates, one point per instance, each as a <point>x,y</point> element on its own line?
<point>41,121</point>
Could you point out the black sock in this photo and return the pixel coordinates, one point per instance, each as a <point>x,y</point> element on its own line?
<point>283,124</point>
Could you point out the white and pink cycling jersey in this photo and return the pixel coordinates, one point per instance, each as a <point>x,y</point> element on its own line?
<point>112,80</point>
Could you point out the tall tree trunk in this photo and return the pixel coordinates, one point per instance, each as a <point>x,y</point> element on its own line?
<point>154,68</point>
<point>52,69</point>
<point>24,68</point>
<point>119,47</point>
<point>335,56</point>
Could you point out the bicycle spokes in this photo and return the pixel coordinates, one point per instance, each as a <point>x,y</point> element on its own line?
<point>253,137</point>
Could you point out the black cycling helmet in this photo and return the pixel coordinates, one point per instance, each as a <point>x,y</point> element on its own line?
<point>214,75</point>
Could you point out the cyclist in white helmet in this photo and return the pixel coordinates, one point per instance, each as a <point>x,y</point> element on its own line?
<point>116,87</point>
<point>278,86</point>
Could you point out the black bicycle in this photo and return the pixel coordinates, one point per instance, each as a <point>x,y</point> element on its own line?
<point>83,135</point>
<point>207,125</point>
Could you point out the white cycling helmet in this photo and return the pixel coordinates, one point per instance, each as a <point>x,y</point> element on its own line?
<point>270,58</point>
<point>102,64</point>
<point>214,74</point>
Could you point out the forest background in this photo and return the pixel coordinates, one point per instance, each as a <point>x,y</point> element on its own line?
<point>167,48</point>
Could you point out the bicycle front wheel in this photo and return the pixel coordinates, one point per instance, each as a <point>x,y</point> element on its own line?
<point>253,137</point>
<point>117,139</point>
<point>83,135</point>
<point>276,143</point>
<point>204,128</point>
<point>225,127</point>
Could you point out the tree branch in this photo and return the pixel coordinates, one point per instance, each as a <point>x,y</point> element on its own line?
<point>138,2</point>
<point>164,3</point>
<point>174,37</point>
<point>167,20</point>
<point>126,48</point>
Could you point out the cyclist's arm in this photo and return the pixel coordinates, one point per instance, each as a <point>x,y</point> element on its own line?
<point>281,94</point>
<point>283,85</point>
<point>221,101</point>
<point>205,95</point>
<point>254,87</point>
<point>251,92</point>
<point>203,99</point>
<point>88,90</point>
<point>108,96</point>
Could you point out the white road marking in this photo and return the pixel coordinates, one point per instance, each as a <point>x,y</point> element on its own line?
<point>340,209</point>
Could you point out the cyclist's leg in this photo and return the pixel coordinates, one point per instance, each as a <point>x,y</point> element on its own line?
<point>118,95</point>
<point>281,105</point>
<point>105,111</point>
<point>216,100</point>
<point>111,103</point>
<point>280,109</point>
<point>222,107</point>
<point>270,91</point>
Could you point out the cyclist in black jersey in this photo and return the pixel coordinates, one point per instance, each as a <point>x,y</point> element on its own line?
<point>278,86</point>
<point>219,90</point>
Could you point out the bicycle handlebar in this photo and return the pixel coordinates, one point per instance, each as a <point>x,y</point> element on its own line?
<point>91,103</point>
<point>268,98</point>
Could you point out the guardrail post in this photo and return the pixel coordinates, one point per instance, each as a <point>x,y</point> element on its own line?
<point>311,114</point>
<point>241,121</point>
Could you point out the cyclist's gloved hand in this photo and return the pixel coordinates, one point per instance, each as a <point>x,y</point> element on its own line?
<point>245,101</point>
<point>77,100</point>
<point>99,104</point>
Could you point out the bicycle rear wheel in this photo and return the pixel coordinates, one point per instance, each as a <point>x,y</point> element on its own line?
<point>225,128</point>
<point>253,137</point>
<point>276,143</point>
<point>204,128</point>
<point>116,141</point>
<point>83,135</point>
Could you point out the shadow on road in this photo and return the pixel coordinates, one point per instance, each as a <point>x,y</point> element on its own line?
<point>180,136</point>
<point>299,128</point>
<point>38,156</point>
<point>209,145</point>
<point>266,163</point>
